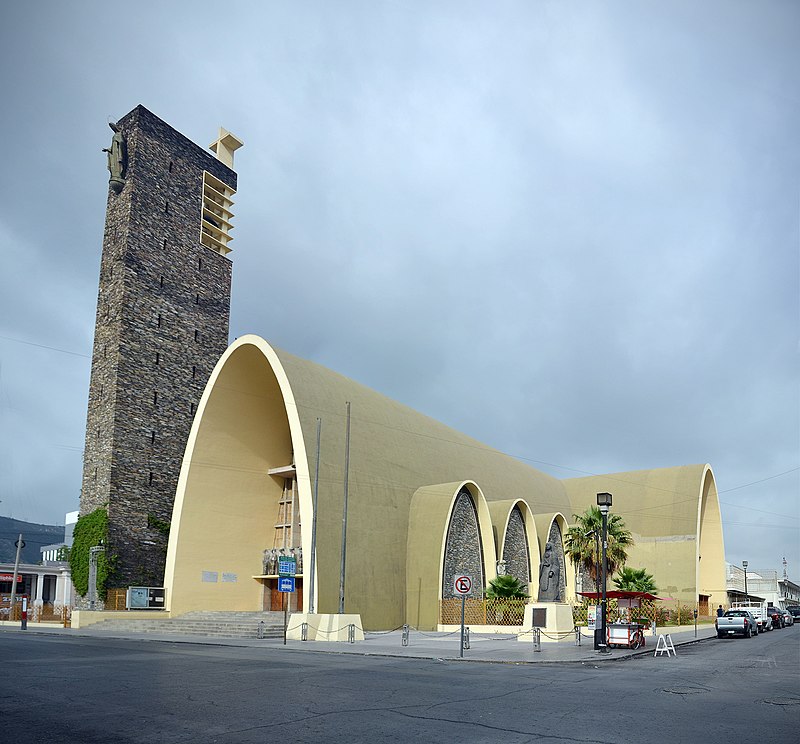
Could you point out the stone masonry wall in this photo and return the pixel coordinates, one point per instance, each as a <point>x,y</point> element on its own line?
<point>462,552</point>
<point>515,548</point>
<point>162,324</point>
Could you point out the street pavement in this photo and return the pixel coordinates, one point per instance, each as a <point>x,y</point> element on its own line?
<point>82,688</point>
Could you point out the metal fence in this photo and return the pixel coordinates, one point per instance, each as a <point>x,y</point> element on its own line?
<point>483,611</point>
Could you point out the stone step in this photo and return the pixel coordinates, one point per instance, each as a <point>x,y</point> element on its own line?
<point>217,624</point>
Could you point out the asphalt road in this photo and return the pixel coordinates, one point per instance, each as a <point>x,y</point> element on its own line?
<point>70,689</point>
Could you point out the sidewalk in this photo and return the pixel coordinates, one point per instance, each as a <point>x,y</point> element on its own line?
<point>428,645</point>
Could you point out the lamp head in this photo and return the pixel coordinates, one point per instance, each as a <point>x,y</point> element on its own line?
<point>744,564</point>
<point>604,502</point>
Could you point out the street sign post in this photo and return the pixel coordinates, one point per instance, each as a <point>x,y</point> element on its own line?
<point>462,585</point>
<point>286,572</point>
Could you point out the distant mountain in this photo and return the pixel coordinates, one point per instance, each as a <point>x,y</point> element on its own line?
<point>33,535</point>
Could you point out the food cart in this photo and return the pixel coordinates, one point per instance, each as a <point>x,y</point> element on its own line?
<point>623,631</point>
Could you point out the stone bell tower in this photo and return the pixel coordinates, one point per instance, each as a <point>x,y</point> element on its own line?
<point>162,323</point>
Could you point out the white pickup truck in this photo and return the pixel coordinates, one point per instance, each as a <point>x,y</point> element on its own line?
<point>736,622</point>
<point>759,611</point>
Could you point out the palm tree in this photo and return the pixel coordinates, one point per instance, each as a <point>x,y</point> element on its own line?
<point>582,542</point>
<point>506,587</point>
<point>635,580</point>
<point>507,593</point>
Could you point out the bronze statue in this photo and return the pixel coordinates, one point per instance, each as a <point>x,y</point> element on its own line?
<point>548,578</point>
<point>116,159</point>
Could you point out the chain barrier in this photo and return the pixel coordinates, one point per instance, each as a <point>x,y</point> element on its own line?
<point>384,632</point>
<point>435,635</point>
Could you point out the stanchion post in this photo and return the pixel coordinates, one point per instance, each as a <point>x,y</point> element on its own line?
<point>304,631</point>
<point>405,635</point>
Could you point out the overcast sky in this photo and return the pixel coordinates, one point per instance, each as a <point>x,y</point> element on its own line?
<point>568,229</point>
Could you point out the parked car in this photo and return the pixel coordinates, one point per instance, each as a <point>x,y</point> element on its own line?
<point>788,618</point>
<point>776,613</point>
<point>736,622</point>
<point>794,611</point>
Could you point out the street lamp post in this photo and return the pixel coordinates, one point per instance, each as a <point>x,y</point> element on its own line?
<point>746,595</point>
<point>604,502</point>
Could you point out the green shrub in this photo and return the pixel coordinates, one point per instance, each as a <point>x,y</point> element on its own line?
<point>90,530</point>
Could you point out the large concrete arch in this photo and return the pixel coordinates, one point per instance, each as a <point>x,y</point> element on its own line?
<point>674,517</point>
<point>711,580</point>
<point>500,512</point>
<point>430,513</point>
<point>225,502</point>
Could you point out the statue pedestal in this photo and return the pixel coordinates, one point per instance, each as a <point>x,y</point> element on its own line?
<point>554,620</point>
<point>324,627</point>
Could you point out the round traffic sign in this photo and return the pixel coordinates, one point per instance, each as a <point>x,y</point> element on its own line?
<point>462,584</point>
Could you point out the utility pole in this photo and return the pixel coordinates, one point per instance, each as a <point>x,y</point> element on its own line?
<point>20,546</point>
<point>344,512</point>
<point>310,589</point>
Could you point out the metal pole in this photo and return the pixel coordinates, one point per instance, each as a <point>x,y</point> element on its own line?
<point>597,560</point>
<point>463,601</point>
<point>310,589</point>
<point>285,615</point>
<point>746,595</point>
<point>603,606</point>
<point>344,511</point>
<point>20,543</point>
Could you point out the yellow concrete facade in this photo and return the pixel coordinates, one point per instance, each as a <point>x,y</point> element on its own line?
<point>259,412</point>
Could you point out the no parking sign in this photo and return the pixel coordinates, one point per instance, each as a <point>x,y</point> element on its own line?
<point>462,585</point>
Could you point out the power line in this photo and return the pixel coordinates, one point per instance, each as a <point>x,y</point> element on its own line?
<point>769,477</point>
<point>44,346</point>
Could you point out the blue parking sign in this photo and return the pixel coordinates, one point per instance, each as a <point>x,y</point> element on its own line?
<point>286,584</point>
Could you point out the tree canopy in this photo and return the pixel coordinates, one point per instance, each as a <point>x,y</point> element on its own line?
<point>582,542</point>
<point>506,587</point>
<point>635,580</point>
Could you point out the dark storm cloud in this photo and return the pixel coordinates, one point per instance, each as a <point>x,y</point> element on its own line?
<point>567,229</point>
